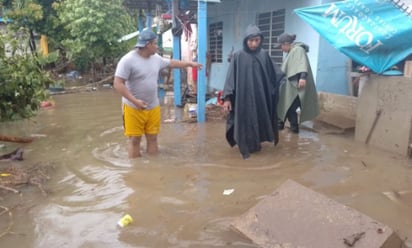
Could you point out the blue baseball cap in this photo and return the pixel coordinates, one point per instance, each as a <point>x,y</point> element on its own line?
<point>145,37</point>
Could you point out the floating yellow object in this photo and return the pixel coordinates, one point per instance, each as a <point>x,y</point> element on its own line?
<point>4,174</point>
<point>125,221</point>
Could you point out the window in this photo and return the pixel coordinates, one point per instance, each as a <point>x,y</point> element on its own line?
<point>215,41</point>
<point>272,24</point>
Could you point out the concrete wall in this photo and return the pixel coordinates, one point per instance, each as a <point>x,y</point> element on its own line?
<point>236,15</point>
<point>391,129</point>
<point>389,96</point>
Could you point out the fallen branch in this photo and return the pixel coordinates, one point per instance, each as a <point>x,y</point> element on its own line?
<point>86,87</point>
<point>15,139</point>
<point>14,155</point>
<point>14,177</point>
<point>104,80</point>
<point>9,189</point>
<point>10,225</point>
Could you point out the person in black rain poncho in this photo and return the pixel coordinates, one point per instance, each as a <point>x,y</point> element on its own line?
<point>250,95</point>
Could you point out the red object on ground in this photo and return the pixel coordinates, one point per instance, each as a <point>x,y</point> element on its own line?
<point>45,104</point>
<point>219,97</point>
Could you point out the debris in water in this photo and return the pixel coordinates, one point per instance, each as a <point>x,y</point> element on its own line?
<point>228,191</point>
<point>351,240</point>
<point>395,195</point>
<point>125,220</point>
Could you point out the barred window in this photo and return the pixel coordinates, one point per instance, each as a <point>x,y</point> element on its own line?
<point>272,24</point>
<point>215,41</point>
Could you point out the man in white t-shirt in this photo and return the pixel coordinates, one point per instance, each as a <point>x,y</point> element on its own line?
<point>136,80</point>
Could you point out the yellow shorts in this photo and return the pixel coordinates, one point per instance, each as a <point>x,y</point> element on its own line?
<point>138,122</point>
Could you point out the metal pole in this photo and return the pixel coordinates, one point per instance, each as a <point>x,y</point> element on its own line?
<point>202,50</point>
<point>176,56</point>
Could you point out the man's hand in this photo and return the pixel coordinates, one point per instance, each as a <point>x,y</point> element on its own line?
<point>227,106</point>
<point>197,65</point>
<point>301,83</point>
<point>184,64</point>
<point>140,104</point>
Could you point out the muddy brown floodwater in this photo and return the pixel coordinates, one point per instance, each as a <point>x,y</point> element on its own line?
<point>176,198</point>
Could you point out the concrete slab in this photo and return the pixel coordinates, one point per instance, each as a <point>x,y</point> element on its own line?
<point>337,120</point>
<point>294,216</point>
<point>334,103</point>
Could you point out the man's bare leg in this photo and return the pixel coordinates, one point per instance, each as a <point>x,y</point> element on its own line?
<point>151,140</point>
<point>134,146</point>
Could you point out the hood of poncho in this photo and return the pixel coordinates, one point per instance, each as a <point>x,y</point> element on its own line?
<point>252,31</point>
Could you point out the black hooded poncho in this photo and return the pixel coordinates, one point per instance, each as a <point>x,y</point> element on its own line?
<point>251,85</point>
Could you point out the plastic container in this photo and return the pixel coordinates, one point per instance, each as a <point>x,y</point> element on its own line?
<point>125,221</point>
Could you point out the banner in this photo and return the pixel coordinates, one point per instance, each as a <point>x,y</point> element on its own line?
<point>375,33</point>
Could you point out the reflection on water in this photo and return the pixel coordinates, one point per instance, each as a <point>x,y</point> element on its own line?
<point>113,153</point>
<point>176,198</point>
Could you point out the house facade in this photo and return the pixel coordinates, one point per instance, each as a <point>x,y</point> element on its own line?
<point>228,20</point>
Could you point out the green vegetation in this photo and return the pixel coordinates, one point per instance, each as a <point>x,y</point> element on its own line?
<point>93,28</point>
<point>22,80</point>
<point>81,33</point>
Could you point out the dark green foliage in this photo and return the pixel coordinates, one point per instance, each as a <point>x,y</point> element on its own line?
<point>23,82</point>
<point>84,33</point>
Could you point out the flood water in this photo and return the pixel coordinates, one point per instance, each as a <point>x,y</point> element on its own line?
<point>176,198</point>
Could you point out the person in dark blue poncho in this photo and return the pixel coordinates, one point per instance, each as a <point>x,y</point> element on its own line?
<point>250,95</point>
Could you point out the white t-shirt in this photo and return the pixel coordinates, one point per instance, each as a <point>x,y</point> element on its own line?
<point>141,75</point>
